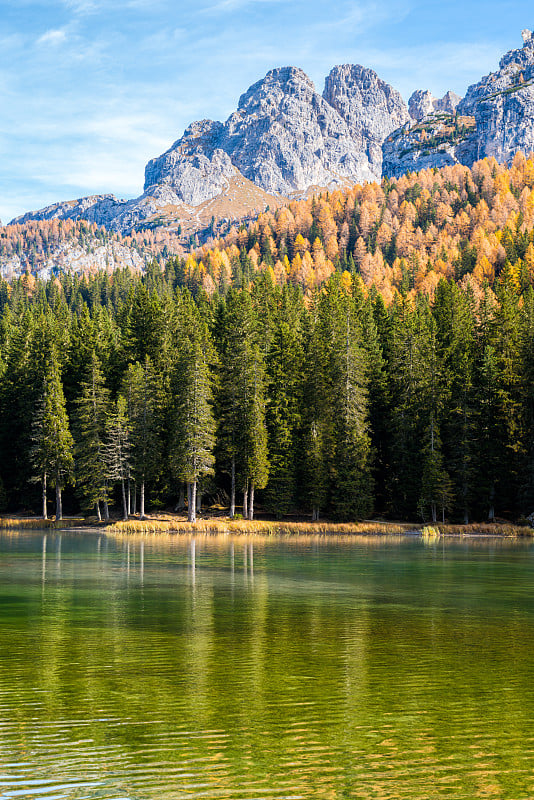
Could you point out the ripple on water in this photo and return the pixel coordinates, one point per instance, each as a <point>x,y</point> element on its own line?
<point>325,672</point>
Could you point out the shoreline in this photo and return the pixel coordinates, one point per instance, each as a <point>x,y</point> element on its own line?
<point>178,525</point>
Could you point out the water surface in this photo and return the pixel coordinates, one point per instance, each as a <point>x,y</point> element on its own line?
<point>224,668</point>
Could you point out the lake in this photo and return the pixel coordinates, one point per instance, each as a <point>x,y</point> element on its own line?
<point>167,668</point>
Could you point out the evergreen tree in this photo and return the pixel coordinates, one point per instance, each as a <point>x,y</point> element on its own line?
<point>118,449</point>
<point>144,397</point>
<point>243,433</point>
<point>193,425</point>
<point>92,410</point>
<point>352,489</point>
<point>52,450</point>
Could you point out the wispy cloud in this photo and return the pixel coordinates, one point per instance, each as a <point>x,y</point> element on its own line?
<point>53,37</point>
<point>91,89</point>
<point>235,5</point>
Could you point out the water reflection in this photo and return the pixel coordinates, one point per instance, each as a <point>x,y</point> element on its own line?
<point>327,669</point>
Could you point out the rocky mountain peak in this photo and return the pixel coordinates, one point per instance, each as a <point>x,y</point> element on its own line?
<point>277,82</point>
<point>371,108</point>
<point>422,104</point>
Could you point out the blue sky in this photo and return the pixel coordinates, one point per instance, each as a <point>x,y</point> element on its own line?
<point>91,89</point>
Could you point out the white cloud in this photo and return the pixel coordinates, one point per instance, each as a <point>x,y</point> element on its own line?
<point>53,37</point>
<point>235,5</point>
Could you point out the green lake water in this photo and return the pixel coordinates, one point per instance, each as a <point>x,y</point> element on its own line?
<point>225,668</point>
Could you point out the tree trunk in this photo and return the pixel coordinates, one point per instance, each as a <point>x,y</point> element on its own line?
<point>315,514</point>
<point>192,510</point>
<point>251,502</point>
<point>124,502</point>
<point>142,501</point>
<point>434,515</point>
<point>491,512</point>
<point>245,501</point>
<point>98,516</point>
<point>45,513</point>
<point>106,511</point>
<point>135,498</point>
<point>129,495</point>
<point>59,504</point>
<point>232,490</point>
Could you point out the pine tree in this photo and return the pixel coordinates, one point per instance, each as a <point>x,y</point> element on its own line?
<point>144,397</point>
<point>242,432</point>
<point>92,409</point>
<point>285,363</point>
<point>193,426</point>
<point>52,450</point>
<point>117,449</point>
<point>352,489</point>
<point>317,430</point>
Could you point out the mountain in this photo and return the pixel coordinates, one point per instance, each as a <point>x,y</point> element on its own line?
<point>48,246</point>
<point>495,118</point>
<point>285,140</point>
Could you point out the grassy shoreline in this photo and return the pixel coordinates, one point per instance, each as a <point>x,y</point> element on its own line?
<point>176,524</point>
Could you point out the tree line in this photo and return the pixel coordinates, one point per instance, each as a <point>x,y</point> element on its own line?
<point>132,392</point>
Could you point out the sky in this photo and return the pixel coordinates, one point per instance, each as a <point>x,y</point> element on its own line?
<point>90,90</point>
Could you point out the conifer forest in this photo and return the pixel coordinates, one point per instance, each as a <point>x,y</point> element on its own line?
<point>366,352</point>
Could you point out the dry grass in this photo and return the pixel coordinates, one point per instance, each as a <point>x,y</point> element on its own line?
<point>485,529</point>
<point>26,523</point>
<point>167,524</point>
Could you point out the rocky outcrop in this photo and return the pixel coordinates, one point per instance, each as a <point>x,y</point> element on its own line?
<point>440,140</point>
<point>502,104</point>
<point>284,138</point>
<point>99,208</point>
<point>371,108</point>
<point>423,104</point>
<point>195,168</point>
<point>448,103</point>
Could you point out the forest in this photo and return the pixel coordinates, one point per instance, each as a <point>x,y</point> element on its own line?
<point>354,354</point>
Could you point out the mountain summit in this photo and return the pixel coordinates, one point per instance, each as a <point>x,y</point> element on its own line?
<point>286,139</point>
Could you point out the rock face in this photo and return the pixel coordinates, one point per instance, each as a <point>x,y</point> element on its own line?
<point>284,138</point>
<point>195,168</point>
<point>448,103</point>
<point>433,142</point>
<point>423,104</point>
<point>502,104</point>
<point>371,108</point>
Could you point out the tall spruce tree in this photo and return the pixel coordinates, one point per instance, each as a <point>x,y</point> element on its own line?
<point>352,482</point>
<point>243,432</point>
<point>92,410</point>
<point>52,449</point>
<point>117,448</point>
<point>143,391</point>
<point>193,426</point>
